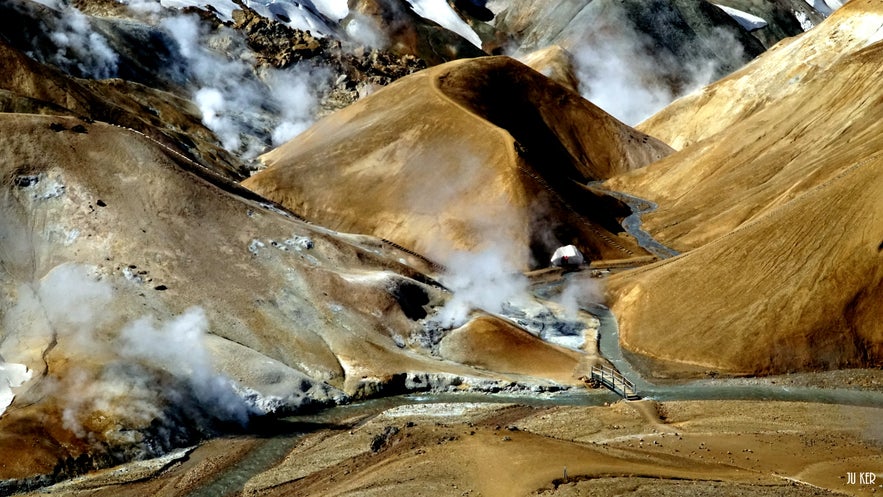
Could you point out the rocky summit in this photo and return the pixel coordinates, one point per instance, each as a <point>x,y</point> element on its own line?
<point>441,247</point>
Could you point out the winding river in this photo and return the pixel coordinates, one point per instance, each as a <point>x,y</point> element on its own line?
<point>719,389</point>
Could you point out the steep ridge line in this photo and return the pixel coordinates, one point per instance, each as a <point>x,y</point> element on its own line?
<point>216,179</point>
<point>514,160</point>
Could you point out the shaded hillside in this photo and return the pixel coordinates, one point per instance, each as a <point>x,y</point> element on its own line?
<point>802,124</point>
<point>677,25</point>
<point>675,32</point>
<point>634,57</point>
<point>467,155</point>
<point>781,214</point>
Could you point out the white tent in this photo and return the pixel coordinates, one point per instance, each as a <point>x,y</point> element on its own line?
<point>567,256</point>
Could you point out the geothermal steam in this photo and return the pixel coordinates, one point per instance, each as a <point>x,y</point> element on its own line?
<point>234,98</point>
<point>481,280</point>
<point>622,70</point>
<point>249,109</point>
<point>123,378</point>
<point>581,290</point>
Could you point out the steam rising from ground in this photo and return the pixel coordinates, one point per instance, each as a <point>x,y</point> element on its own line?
<point>481,280</point>
<point>233,97</point>
<point>580,291</point>
<point>80,50</point>
<point>249,108</point>
<point>624,72</point>
<point>122,380</point>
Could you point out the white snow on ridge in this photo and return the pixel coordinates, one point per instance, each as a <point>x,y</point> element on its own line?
<point>748,21</point>
<point>824,7</point>
<point>442,13</point>
<point>299,14</point>
<point>804,21</point>
<point>11,376</point>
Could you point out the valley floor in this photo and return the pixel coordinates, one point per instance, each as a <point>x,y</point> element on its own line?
<point>714,447</point>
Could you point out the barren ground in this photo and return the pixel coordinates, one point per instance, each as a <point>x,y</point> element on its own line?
<point>467,449</point>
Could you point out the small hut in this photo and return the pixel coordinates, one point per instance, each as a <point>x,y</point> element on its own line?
<point>567,256</point>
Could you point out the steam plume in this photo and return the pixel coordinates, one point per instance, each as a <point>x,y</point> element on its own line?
<point>624,72</point>
<point>134,383</point>
<point>580,291</point>
<point>482,280</point>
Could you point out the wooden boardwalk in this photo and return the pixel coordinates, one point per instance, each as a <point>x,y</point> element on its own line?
<point>610,378</point>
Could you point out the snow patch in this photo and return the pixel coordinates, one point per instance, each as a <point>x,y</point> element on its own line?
<point>869,27</point>
<point>442,13</point>
<point>824,7</point>
<point>748,21</point>
<point>303,14</point>
<point>804,21</point>
<point>12,375</point>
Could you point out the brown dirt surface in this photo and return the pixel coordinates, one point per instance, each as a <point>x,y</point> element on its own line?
<point>780,217</point>
<point>556,63</point>
<point>31,88</point>
<point>810,304</point>
<point>459,157</point>
<point>286,318</point>
<point>494,344</point>
<point>457,449</point>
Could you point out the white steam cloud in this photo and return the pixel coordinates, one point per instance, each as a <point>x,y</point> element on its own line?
<point>150,8</point>
<point>365,31</point>
<point>482,280</point>
<point>121,380</point>
<point>80,50</point>
<point>238,103</point>
<point>248,108</point>
<point>580,290</point>
<point>620,70</point>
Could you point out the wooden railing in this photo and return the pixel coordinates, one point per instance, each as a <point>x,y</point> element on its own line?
<point>612,379</point>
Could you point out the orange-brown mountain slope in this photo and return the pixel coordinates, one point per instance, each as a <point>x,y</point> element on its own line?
<point>115,259</point>
<point>464,156</point>
<point>788,143</point>
<point>782,216</point>
<point>780,71</point>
